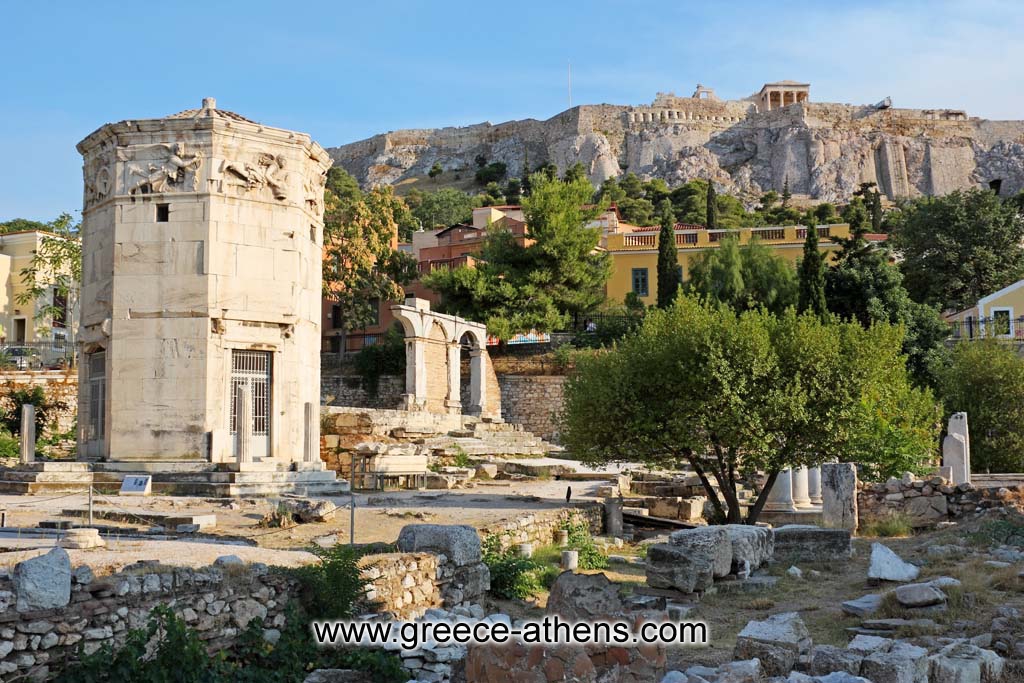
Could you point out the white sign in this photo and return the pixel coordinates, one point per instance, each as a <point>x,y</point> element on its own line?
<point>137,485</point>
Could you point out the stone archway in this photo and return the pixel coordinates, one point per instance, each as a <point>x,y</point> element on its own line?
<point>433,345</point>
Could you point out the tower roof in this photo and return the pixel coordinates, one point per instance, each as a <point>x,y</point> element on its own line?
<point>209,110</point>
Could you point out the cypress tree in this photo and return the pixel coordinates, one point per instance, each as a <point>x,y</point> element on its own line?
<point>668,262</point>
<point>712,209</point>
<point>812,277</point>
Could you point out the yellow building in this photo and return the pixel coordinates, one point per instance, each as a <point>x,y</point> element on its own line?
<point>635,254</point>
<point>1000,314</point>
<point>21,323</point>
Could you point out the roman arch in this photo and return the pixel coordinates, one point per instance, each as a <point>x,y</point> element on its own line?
<point>433,345</point>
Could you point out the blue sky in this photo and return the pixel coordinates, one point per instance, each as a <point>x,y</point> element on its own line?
<point>343,71</point>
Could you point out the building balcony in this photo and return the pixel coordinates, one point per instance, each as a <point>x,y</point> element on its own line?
<point>700,238</point>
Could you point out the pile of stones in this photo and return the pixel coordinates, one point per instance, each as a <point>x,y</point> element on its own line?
<point>926,502</point>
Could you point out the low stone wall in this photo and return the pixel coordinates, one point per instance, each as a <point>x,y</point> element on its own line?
<point>534,401</point>
<point>60,386</point>
<point>925,501</point>
<point>217,601</point>
<point>539,527</point>
<point>405,584</point>
<point>356,391</point>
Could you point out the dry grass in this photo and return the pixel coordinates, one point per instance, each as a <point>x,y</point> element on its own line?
<point>892,525</point>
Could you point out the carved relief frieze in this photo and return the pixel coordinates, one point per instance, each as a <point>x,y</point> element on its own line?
<point>263,172</point>
<point>151,169</point>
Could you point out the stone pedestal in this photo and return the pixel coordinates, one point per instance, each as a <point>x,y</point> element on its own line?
<point>801,496</point>
<point>814,485</point>
<point>839,495</point>
<point>780,498</point>
<point>956,449</point>
<point>570,560</point>
<point>613,517</point>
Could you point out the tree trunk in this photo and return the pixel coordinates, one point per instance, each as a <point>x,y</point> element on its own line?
<point>708,488</point>
<point>762,498</point>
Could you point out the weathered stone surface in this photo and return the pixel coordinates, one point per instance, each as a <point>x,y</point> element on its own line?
<point>311,510</point>
<point>710,542</point>
<point>583,597</point>
<point>747,671</point>
<point>839,495</point>
<point>459,543</point>
<point>865,644</point>
<point>796,542</point>
<point>672,566</point>
<point>338,676</point>
<point>887,565</point>
<point>752,546</point>
<point>965,663</point>
<point>777,642</point>
<point>864,605</point>
<point>919,595</point>
<point>43,582</point>
<point>828,658</point>
<point>894,667</point>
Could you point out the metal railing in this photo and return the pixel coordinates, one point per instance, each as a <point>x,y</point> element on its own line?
<point>43,355</point>
<point>996,327</point>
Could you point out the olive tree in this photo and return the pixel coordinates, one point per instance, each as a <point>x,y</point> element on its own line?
<point>736,394</point>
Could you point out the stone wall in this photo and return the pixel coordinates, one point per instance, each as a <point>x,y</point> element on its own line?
<point>539,527</point>
<point>925,501</point>
<point>355,391</point>
<point>217,601</point>
<point>59,385</point>
<point>534,401</point>
<point>405,584</point>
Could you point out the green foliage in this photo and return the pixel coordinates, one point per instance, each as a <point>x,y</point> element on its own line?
<point>863,285</point>
<point>21,225</point>
<point>10,447</point>
<point>441,209</point>
<point>435,170</point>
<point>985,378</point>
<point>744,277</point>
<point>811,296</point>
<point>491,173</point>
<point>536,285</point>
<point>54,273</point>
<point>168,651</point>
<point>15,396</point>
<point>712,207</point>
<point>386,357</point>
<point>668,257</point>
<point>581,541</point>
<point>749,392</point>
<point>892,525</point>
<point>512,576</point>
<point>959,247</point>
<point>333,587</point>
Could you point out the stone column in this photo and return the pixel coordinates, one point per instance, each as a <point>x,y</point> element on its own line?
<point>454,401</point>
<point>28,433</point>
<point>311,436</point>
<point>839,495</point>
<point>613,517</point>
<point>243,424</point>
<point>415,373</point>
<point>814,485</point>
<point>801,497</point>
<point>478,381</point>
<point>956,448</point>
<point>780,498</point>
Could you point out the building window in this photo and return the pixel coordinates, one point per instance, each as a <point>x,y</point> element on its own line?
<point>60,309</point>
<point>163,213</point>
<point>312,234</point>
<point>679,273</point>
<point>640,281</point>
<point>335,317</point>
<point>375,303</point>
<point>1002,325</point>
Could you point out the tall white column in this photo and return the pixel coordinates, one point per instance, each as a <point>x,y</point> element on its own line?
<point>454,401</point>
<point>415,373</point>
<point>28,433</point>
<point>243,423</point>
<point>800,489</point>
<point>311,434</point>
<point>478,381</point>
<point>814,485</point>
<point>780,498</point>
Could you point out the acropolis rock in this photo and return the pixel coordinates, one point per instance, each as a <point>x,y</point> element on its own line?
<point>823,150</point>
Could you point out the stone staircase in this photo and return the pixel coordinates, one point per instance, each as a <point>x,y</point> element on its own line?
<point>487,439</point>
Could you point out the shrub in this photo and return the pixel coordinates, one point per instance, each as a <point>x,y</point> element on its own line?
<point>334,587</point>
<point>581,541</point>
<point>512,576</point>
<point>893,525</point>
<point>9,446</point>
<point>387,357</point>
<point>18,395</point>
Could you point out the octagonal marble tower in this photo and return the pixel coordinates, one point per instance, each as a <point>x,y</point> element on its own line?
<point>201,248</point>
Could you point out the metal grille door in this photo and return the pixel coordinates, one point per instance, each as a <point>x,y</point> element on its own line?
<point>96,425</point>
<point>252,369</point>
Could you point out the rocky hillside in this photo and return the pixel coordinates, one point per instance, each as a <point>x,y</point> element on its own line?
<point>824,150</point>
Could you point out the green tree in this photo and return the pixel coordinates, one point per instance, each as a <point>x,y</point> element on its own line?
<point>985,379</point>
<point>435,170</point>
<point>360,266</point>
<point>812,276</point>
<point>751,393</point>
<point>959,248</point>
<point>712,207</point>
<point>442,208</point>
<point>856,214</point>
<point>53,277</point>
<point>21,225</point>
<point>744,277</point>
<point>786,194</point>
<point>513,191</point>
<point>668,257</point>
<point>575,172</point>
<point>491,173</point>
<point>538,284</point>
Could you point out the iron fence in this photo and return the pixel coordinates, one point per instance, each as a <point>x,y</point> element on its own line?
<point>995,327</point>
<point>43,355</point>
